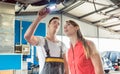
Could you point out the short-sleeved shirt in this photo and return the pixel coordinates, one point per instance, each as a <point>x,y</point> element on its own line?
<point>54,48</point>
<point>78,63</point>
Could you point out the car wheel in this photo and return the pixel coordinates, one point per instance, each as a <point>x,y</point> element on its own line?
<point>106,71</point>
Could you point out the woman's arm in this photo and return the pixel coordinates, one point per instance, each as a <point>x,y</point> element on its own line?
<point>29,35</point>
<point>65,65</point>
<point>96,60</point>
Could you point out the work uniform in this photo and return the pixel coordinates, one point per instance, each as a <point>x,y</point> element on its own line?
<point>50,56</point>
<point>77,61</point>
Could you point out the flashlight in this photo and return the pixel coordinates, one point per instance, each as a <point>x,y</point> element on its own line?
<point>51,7</point>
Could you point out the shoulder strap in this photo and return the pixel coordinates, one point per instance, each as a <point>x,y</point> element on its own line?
<point>61,49</point>
<point>47,48</point>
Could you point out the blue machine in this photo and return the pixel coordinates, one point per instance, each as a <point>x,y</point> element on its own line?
<point>10,61</point>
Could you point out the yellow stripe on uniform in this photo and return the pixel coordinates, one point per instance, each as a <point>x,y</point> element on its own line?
<point>54,60</point>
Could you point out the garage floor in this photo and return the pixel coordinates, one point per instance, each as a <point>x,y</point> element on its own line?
<point>114,72</point>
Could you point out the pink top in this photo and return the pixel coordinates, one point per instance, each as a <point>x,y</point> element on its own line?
<point>78,62</point>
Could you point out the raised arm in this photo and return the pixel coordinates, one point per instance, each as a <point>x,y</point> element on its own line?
<point>96,60</point>
<point>29,35</point>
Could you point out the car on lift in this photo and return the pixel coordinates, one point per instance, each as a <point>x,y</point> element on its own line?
<point>111,60</point>
<point>107,65</point>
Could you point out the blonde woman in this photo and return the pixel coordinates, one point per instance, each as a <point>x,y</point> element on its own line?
<point>83,57</point>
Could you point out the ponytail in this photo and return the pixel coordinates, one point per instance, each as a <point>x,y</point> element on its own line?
<point>85,43</point>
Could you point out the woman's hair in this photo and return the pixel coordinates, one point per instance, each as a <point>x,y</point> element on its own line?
<point>53,19</point>
<point>80,36</point>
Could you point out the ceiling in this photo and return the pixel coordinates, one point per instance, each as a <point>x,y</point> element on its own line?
<point>101,13</point>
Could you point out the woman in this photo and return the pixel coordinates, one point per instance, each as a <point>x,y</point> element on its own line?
<point>83,57</point>
<point>52,51</point>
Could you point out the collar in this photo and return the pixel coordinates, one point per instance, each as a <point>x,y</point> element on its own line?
<point>77,43</point>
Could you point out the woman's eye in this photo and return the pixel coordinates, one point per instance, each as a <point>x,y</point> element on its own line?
<point>68,24</point>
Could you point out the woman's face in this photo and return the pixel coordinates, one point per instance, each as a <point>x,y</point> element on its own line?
<point>54,24</point>
<point>69,29</point>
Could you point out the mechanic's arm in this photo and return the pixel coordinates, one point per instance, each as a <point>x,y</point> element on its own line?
<point>29,35</point>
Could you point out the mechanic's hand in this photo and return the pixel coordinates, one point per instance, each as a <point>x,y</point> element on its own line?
<point>43,13</point>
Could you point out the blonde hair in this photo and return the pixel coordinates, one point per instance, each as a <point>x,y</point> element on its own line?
<point>87,48</point>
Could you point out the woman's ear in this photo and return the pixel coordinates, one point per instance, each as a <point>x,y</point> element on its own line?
<point>77,28</point>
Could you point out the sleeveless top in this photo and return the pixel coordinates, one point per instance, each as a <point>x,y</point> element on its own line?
<point>77,61</point>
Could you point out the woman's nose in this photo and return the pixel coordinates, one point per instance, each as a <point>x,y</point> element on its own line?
<point>64,27</point>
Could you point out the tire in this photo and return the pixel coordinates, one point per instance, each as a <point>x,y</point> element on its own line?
<point>106,71</point>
